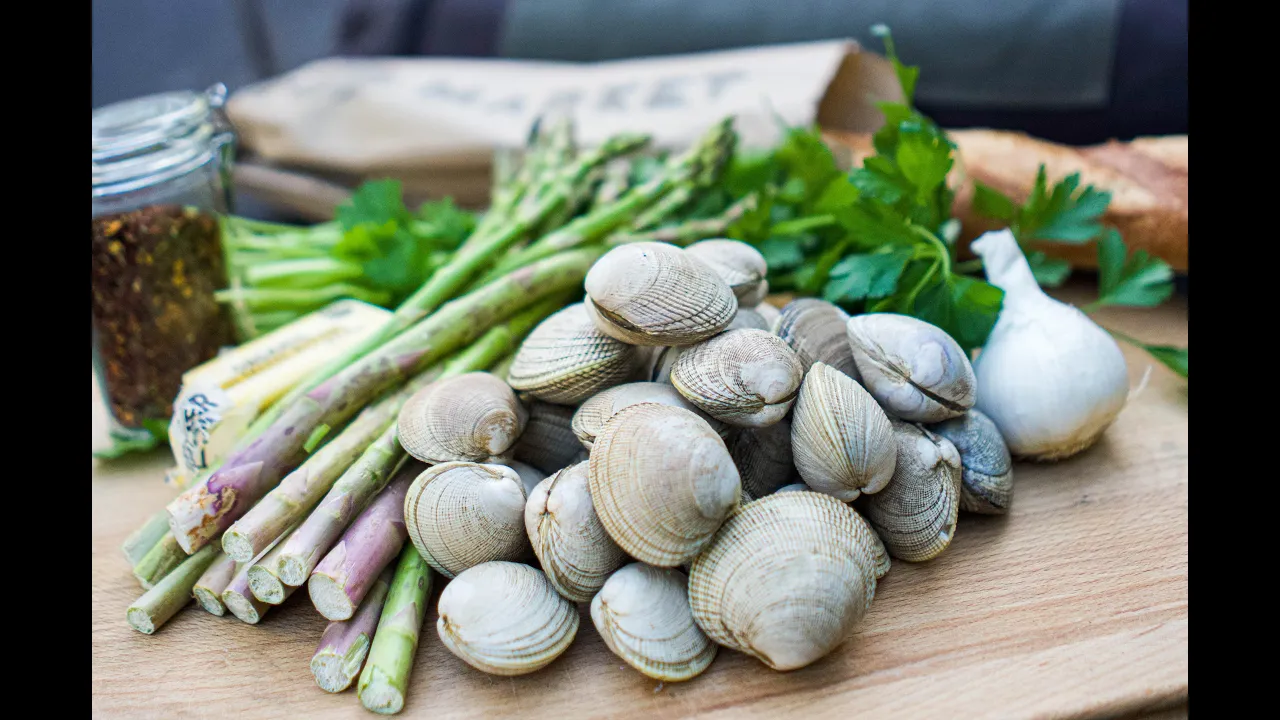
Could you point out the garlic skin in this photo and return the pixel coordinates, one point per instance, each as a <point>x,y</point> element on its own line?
<point>1050,378</point>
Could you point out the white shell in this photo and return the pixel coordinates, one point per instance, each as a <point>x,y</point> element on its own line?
<point>817,331</point>
<point>530,476</point>
<point>649,293</point>
<point>914,370</point>
<point>842,441</point>
<point>593,413</point>
<point>662,481</point>
<point>785,579</point>
<point>643,615</point>
<point>748,319</point>
<point>576,553</point>
<point>738,264</point>
<point>462,514</point>
<point>505,618</point>
<point>770,315</point>
<point>473,417</point>
<point>915,515</point>
<point>747,378</point>
<point>566,359</point>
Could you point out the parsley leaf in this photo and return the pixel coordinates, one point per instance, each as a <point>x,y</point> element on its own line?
<point>1136,279</point>
<point>1049,272</point>
<point>966,308</point>
<point>858,277</point>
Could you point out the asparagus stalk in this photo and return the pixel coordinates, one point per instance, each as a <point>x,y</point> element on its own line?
<point>208,508</point>
<point>303,488</point>
<point>339,583</point>
<point>239,599</point>
<point>168,596</point>
<point>305,548</point>
<point>208,589</point>
<point>689,231</point>
<point>474,254</point>
<point>617,176</point>
<point>141,541</point>
<point>162,558</point>
<point>263,575</point>
<point>345,643</point>
<point>385,677</point>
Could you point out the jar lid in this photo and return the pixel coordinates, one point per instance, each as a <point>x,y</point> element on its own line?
<point>141,141</point>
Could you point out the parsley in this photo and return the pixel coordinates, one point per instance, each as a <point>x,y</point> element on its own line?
<point>1137,280</point>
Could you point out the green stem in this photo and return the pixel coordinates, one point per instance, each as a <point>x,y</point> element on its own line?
<point>966,267</point>
<point>804,224</point>
<point>140,542</point>
<point>302,273</point>
<point>279,298</point>
<point>944,252</point>
<point>168,596</point>
<point>162,558</point>
<point>385,678</point>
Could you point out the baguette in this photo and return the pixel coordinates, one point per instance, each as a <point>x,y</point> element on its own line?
<point>1147,179</point>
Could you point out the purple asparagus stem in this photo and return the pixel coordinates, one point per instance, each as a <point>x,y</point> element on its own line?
<point>342,579</point>
<point>345,643</point>
<point>240,600</point>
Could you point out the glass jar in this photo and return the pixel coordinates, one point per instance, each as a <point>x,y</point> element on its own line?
<point>161,178</point>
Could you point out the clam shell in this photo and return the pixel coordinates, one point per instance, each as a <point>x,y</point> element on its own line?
<point>662,482</point>
<point>505,618</point>
<point>748,319</point>
<point>842,441</point>
<point>763,458</point>
<point>794,487</point>
<point>548,442</point>
<point>474,417</point>
<point>915,515</point>
<point>785,579</point>
<point>566,359</point>
<point>663,360</point>
<point>986,470</point>
<point>914,370</point>
<point>643,615</point>
<point>770,315</point>
<point>462,514</point>
<point>649,293</point>
<point>593,413</point>
<point>530,476</point>
<point>576,553</point>
<point>817,331</point>
<point>741,266</point>
<point>747,378</point>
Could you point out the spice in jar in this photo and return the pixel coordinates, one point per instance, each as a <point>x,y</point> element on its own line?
<point>155,271</point>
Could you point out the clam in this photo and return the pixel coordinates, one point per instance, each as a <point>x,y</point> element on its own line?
<point>747,378</point>
<point>763,458</point>
<point>663,359</point>
<point>738,264</point>
<point>530,476</point>
<point>843,443</point>
<point>505,618</point>
<point>643,615</point>
<point>986,471</point>
<point>462,514</point>
<point>566,359</point>
<point>547,442</point>
<point>785,579</point>
<point>770,315</point>
<point>915,515</point>
<point>593,413</point>
<point>914,370</point>
<point>748,319</point>
<point>649,293</point>
<point>473,417</point>
<point>576,553</point>
<point>662,481</point>
<point>817,331</point>
<point>794,487</point>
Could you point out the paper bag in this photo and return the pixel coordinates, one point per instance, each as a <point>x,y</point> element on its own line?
<point>435,123</point>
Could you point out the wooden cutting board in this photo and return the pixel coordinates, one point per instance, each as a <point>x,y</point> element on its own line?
<point>1073,605</point>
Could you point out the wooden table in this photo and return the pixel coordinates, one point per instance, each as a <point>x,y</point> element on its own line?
<point>1073,605</point>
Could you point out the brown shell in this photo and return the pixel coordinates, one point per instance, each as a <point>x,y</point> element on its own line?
<point>472,417</point>
<point>747,378</point>
<point>462,514</point>
<point>566,359</point>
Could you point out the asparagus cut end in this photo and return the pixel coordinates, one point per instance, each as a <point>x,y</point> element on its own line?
<point>380,695</point>
<point>292,570</point>
<point>140,620</point>
<point>265,586</point>
<point>238,546</point>
<point>242,607</point>
<point>330,598</point>
<point>335,673</point>
<point>210,601</point>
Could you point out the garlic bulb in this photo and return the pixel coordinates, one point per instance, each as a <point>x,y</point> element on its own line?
<point>1049,377</point>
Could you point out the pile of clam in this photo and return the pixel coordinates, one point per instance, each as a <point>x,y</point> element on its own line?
<point>700,468</point>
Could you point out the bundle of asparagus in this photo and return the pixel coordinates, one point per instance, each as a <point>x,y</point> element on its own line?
<point>312,493</point>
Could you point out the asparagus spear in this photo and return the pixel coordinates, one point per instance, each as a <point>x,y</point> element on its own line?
<point>162,558</point>
<point>209,507</point>
<point>345,643</point>
<point>339,583</point>
<point>140,541</point>
<point>386,673</point>
<point>474,254</point>
<point>264,581</point>
<point>689,231</point>
<point>168,596</point>
<point>304,487</point>
<point>208,589</point>
<point>304,549</point>
<point>239,600</point>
